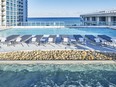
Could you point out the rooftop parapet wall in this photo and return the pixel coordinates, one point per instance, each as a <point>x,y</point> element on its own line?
<point>38,27</point>
<point>101,13</point>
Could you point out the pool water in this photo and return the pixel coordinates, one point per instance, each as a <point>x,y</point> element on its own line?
<point>61,31</point>
<point>58,75</point>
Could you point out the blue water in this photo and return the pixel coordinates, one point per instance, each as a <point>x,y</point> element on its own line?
<point>55,75</point>
<point>61,31</point>
<point>66,20</point>
<point>67,31</point>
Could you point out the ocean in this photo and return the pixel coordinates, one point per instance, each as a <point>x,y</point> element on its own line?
<point>58,75</point>
<point>66,20</point>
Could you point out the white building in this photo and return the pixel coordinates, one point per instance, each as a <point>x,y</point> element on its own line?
<point>102,18</point>
<point>13,12</point>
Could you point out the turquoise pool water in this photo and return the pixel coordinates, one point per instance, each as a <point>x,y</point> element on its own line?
<point>67,31</point>
<point>58,75</point>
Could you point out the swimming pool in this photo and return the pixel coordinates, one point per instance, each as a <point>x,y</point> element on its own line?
<point>61,31</point>
<point>58,75</point>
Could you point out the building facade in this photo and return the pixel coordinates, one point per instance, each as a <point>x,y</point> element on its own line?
<point>102,18</point>
<point>13,12</point>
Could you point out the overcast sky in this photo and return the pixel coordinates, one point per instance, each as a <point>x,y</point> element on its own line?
<point>67,8</point>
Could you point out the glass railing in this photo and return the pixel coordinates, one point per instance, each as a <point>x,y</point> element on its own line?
<point>60,23</point>
<point>50,23</point>
<point>55,23</point>
<point>101,23</point>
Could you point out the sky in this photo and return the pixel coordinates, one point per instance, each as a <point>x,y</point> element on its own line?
<point>67,8</point>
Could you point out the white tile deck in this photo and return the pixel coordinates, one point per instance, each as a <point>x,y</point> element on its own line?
<point>53,46</point>
<point>19,47</point>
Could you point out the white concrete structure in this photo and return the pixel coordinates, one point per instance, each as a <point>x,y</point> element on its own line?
<point>102,18</point>
<point>13,12</point>
<point>30,27</point>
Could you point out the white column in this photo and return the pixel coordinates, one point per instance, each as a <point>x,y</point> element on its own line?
<point>83,20</point>
<point>109,20</point>
<point>97,20</point>
<point>90,19</point>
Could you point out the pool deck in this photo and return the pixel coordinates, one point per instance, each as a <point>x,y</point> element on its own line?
<point>31,47</point>
<point>53,46</point>
<point>58,62</point>
<point>38,27</point>
<point>8,27</point>
<point>60,26</point>
<point>111,27</point>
